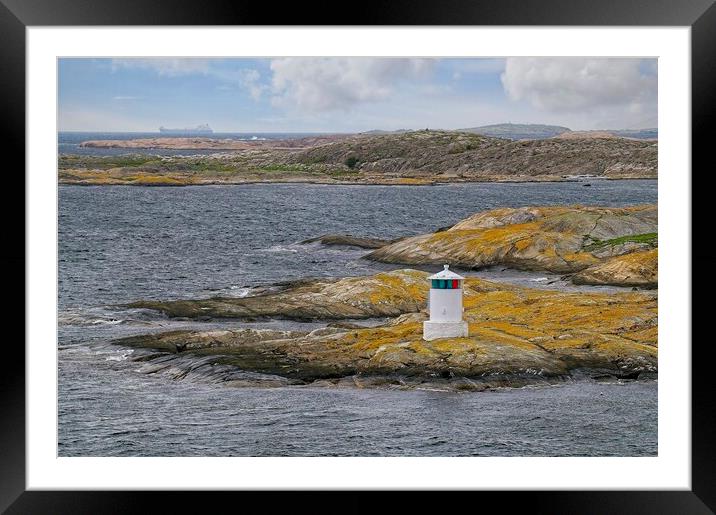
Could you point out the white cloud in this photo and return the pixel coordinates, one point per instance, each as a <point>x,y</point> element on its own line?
<point>170,67</point>
<point>337,83</point>
<point>573,83</point>
<point>250,80</point>
<point>246,78</point>
<point>125,97</point>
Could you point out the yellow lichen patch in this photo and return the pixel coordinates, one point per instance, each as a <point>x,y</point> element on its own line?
<point>638,268</point>
<point>647,257</point>
<point>120,176</point>
<point>584,259</point>
<point>538,238</point>
<point>477,285</point>
<point>390,285</point>
<point>498,296</point>
<point>424,348</point>
<point>522,244</point>
<point>566,342</point>
<point>562,319</point>
<point>648,336</point>
<point>374,338</point>
<point>451,345</point>
<point>505,216</point>
<point>413,180</point>
<point>157,180</point>
<point>505,234</point>
<point>396,288</point>
<point>512,329</point>
<point>624,349</point>
<point>486,333</point>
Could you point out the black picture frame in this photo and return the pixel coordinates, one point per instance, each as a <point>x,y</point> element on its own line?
<point>17,15</point>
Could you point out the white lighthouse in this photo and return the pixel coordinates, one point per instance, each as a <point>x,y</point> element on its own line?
<point>445,306</point>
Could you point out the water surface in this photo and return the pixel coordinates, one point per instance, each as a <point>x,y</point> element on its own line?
<point>119,244</point>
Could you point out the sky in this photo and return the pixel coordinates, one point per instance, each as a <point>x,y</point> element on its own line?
<point>354,94</point>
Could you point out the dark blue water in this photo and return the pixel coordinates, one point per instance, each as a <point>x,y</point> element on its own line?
<point>119,244</point>
<point>69,142</point>
<point>111,410</point>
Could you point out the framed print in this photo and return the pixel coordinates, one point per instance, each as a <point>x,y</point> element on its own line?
<point>400,254</point>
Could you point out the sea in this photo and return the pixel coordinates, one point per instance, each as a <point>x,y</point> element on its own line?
<point>119,244</point>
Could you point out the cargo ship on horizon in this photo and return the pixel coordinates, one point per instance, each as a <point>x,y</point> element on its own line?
<point>199,130</point>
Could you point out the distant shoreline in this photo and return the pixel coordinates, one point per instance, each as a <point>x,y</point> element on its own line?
<point>412,158</point>
<point>347,183</point>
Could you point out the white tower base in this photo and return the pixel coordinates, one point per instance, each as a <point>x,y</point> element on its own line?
<point>433,330</point>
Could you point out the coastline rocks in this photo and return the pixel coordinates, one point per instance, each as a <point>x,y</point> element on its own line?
<point>564,239</point>
<point>517,336</point>
<point>349,241</point>
<point>387,294</point>
<point>633,269</point>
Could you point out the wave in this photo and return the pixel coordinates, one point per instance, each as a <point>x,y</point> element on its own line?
<point>281,248</point>
<point>240,291</point>
<point>86,319</point>
<point>94,317</point>
<point>119,355</point>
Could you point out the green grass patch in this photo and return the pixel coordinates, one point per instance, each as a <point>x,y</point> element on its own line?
<point>343,173</point>
<point>107,162</point>
<point>212,165</point>
<point>282,168</point>
<point>650,238</point>
<point>149,164</point>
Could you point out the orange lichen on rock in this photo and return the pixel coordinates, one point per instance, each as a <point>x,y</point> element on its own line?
<point>561,239</point>
<point>633,269</point>
<point>513,331</point>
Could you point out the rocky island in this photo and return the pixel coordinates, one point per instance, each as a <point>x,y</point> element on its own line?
<point>614,246</point>
<point>412,157</point>
<point>517,335</point>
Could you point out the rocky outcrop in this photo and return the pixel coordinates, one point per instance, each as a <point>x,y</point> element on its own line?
<point>406,158</point>
<point>382,295</point>
<point>210,143</point>
<point>633,269</point>
<point>586,135</point>
<point>564,239</point>
<point>476,157</point>
<point>517,336</point>
<point>349,241</point>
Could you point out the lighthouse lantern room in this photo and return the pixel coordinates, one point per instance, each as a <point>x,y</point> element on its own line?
<point>445,306</point>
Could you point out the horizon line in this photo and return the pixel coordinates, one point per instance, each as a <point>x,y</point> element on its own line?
<point>229,131</point>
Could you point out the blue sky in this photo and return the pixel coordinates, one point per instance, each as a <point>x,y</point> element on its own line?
<point>353,94</point>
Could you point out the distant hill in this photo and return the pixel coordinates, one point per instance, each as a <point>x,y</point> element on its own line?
<point>587,135</point>
<point>380,131</point>
<point>637,133</point>
<point>518,130</point>
<point>477,157</point>
<point>641,134</point>
<point>415,157</point>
